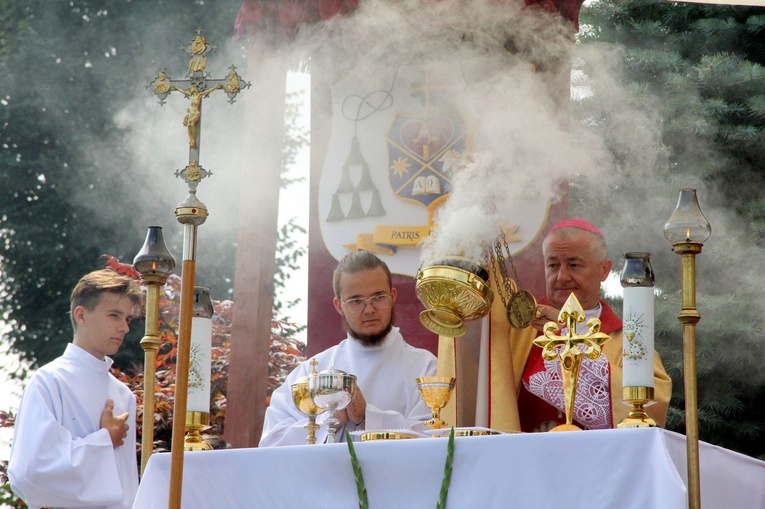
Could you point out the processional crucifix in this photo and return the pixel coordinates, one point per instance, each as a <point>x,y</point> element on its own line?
<point>195,86</point>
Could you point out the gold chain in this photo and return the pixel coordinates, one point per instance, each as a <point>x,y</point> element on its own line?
<point>510,286</point>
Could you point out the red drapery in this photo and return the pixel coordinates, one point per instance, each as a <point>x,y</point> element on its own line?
<point>288,15</point>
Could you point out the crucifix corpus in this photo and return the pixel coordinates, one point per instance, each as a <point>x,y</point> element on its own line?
<point>195,86</point>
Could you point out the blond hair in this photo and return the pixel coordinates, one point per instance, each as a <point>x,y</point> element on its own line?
<point>87,292</point>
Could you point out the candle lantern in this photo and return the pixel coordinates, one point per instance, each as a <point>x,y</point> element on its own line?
<point>687,229</point>
<point>637,279</point>
<point>198,400</point>
<point>155,263</point>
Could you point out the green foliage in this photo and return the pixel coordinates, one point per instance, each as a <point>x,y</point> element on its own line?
<point>448,468</point>
<point>359,475</point>
<point>683,106</point>
<point>291,248</point>
<point>285,353</point>
<point>69,186</point>
<point>361,489</point>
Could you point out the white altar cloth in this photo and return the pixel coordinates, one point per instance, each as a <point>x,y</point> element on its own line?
<point>628,469</point>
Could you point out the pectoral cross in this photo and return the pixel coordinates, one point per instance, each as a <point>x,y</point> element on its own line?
<point>571,353</point>
<point>196,86</point>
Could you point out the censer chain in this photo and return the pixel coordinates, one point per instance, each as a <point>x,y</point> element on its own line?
<point>509,284</point>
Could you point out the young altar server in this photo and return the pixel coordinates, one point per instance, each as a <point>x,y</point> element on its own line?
<point>74,441</point>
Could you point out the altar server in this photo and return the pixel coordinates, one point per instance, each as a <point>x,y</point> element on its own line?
<point>374,351</point>
<point>74,442</point>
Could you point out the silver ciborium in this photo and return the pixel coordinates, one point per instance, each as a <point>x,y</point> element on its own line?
<point>454,290</point>
<point>331,390</point>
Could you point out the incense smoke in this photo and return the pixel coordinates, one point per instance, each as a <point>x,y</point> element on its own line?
<point>604,140</point>
<point>495,58</point>
<point>492,58</point>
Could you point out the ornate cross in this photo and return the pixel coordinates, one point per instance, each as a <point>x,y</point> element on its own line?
<point>196,85</point>
<point>571,352</point>
<point>191,213</point>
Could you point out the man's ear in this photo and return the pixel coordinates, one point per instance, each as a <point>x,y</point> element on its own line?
<point>393,295</point>
<point>338,306</point>
<point>606,270</point>
<point>79,314</point>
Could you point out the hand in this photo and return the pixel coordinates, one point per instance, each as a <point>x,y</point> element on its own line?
<point>355,412</point>
<point>115,425</point>
<point>544,314</point>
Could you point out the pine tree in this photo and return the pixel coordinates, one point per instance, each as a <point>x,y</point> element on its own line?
<point>683,105</point>
<point>70,188</point>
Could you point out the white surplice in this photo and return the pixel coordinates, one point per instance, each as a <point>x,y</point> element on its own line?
<point>386,374</point>
<point>60,457</point>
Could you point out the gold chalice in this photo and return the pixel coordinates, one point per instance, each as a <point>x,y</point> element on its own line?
<point>331,390</point>
<point>454,290</point>
<point>436,391</point>
<point>302,399</point>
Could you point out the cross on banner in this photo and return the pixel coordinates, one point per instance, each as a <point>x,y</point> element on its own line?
<point>196,85</point>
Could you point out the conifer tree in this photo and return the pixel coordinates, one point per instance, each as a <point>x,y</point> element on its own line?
<point>70,188</point>
<point>691,77</point>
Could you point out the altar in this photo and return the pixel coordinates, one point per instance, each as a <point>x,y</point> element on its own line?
<point>628,469</point>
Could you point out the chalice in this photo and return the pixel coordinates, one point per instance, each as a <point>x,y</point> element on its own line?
<point>331,390</point>
<point>302,399</point>
<point>436,391</point>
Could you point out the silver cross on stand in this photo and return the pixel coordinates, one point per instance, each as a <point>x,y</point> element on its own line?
<point>195,86</point>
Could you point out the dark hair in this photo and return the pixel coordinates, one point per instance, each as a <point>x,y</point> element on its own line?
<point>357,261</point>
<point>89,288</point>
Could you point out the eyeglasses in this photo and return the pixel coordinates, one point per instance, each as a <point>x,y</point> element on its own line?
<point>382,301</point>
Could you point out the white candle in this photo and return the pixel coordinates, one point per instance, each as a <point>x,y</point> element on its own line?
<point>638,318</point>
<point>200,365</point>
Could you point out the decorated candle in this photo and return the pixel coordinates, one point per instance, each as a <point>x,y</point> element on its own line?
<point>201,350</point>
<point>638,317</point>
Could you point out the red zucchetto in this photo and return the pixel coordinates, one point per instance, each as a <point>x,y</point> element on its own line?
<point>577,222</point>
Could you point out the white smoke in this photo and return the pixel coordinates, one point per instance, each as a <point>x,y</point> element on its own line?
<point>505,69</point>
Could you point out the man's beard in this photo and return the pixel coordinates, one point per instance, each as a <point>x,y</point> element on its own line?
<point>370,340</point>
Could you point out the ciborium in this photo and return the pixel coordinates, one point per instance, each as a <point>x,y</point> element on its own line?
<point>454,290</point>
<point>331,390</point>
<point>436,392</point>
<point>304,403</point>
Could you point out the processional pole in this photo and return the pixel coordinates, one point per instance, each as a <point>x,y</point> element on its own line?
<point>687,229</point>
<point>155,263</point>
<point>190,213</point>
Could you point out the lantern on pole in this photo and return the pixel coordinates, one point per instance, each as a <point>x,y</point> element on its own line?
<point>155,263</point>
<point>687,229</point>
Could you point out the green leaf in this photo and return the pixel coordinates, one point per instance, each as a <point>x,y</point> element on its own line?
<point>447,472</point>
<point>360,488</point>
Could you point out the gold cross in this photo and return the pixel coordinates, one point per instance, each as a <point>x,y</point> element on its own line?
<point>571,353</point>
<point>195,86</point>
